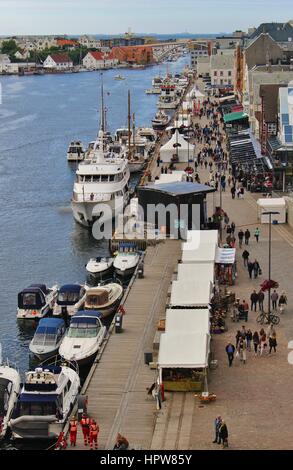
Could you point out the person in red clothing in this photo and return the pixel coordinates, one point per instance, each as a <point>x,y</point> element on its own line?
<point>94,431</point>
<point>85,426</point>
<point>72,431</point>
<point>62,442</point>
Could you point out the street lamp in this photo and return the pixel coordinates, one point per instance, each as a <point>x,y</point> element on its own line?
<point>270,213</point>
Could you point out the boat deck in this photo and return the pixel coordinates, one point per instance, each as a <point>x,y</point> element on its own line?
<point>117,391</point>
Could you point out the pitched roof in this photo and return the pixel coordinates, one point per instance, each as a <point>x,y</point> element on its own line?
<point>60,58</point>
<point>101,55</point>
<point>66,42</point>
<point>280,32</point>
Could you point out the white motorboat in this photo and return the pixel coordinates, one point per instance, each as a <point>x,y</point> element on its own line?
<point>69,300</point>
<point>75,152</point>
<point>126,262</point>
<point>47,338</point>
<point>36,301</point>
<point>99,268</point>
<point>105,298</point>
<point>160,121</point>
<point>119,77</point>
<point>153,91</point>
<point>45,402</point>
<point>84,337</point>
<point>169,98</point>
<point>9,391</point>
<point>157,82</point>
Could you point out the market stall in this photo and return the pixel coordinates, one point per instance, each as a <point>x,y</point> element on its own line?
<point>187,321</point>
<point>189,294</point>
<point>277,204</point>
<point>226,271</point>
<point>200,236</point>
<point>204,253</point>
<point>177,149</point>
<point>195,271</point>
<point>183,361</point>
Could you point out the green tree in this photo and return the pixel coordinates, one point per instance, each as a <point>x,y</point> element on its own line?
<point>10,48</point>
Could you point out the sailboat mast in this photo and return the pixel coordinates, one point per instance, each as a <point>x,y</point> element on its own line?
<point>102,106</point>
<point>133,130</point>
<point>129,131</point>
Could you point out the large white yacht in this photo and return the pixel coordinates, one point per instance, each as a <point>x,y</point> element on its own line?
<point>101,187</point>
<point>169,98</point>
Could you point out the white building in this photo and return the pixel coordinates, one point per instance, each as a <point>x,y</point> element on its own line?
<point>197,51</point>
<point>90,42</point>
<point>286,115</point>
<point>95,60</point>
<point>58,62</point>
<point>4,63</point>
<point>222,69</point>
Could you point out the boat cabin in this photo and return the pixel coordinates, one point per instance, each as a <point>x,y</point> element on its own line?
<point>33,297</point>
<point>85,324</point>
<point>70,294</point>
<point>49,332</point>
<point>96,297</point>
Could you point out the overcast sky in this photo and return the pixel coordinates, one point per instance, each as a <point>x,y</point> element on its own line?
<point>147,16</point>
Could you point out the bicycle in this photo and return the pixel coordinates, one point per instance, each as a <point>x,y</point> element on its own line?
<point>263,317</point>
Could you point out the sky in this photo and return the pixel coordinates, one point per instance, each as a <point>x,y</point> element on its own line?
<point>142,16</point>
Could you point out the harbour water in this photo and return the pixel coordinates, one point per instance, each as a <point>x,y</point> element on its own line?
<point>39,241</point>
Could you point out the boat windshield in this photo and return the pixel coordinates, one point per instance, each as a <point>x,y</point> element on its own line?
<point>83,331</point>
<point>29,299</point>
<point>44,339</point>
<point>68,297</point>
<point>35,408</point>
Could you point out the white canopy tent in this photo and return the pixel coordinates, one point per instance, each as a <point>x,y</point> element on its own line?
<point>183,150</point>
<point>196,94</point>
<point>196,271</point>
<point>225,255</point>
<point>205,253</point>
<point>183,120</point>
<point>200,236</point>
<point>187,321</point>
<point>277,204</point>
<point>188,293</point>
<point>173,177</point>
<point>189,350</point>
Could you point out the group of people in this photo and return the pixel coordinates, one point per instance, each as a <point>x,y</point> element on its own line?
<point>257,299</point>
<point>221,432</point>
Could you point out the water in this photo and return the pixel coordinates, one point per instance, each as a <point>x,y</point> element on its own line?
<point>39,241</point>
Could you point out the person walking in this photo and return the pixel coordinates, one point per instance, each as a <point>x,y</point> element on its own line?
<point>233,191</point>
<point>158,161</point>
<point>256,342</point>
<point>256,268</point>
<point>217,425</point>
<point>257,234</point>
<point>282,302</point>
<point>72,431</point>
<point>238,336</point>
<point>121,443</point>
<point>230,350</point>
<point>94,431</point>
<point>245,256</point>
<point>272,335</point>
<point>263,341</point>
<point>242,350</point>
<point>254,300</point>
<point>226,221</point>
<point>248,339</point>
<point>247,236</point>
<point>233,226</point>
<point>250,268</point>
<point>274,298</point>
<point>261,298</point>
<point>85,426</point>
<point>240,237</point>
<point>223,434</point>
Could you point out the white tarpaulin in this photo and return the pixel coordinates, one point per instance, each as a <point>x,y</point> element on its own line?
<point>196,237</point>
<point>196,94</point>
<point>184,149</point>
<point>277,204</point>
<point>188,351</point>
<point>225,255</point>
<point>205,253</point>
<point>196,271</point>
<point>188,293</point>
<point>187,321</point>
<point>171,177</point>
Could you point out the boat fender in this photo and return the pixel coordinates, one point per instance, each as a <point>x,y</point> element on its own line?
<point>121,310</point>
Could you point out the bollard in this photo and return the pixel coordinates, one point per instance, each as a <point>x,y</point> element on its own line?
<point>118,323</point>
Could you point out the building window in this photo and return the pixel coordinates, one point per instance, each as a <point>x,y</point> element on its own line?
<point>221,73</point>
<point>229,73</point>
<point>221,81</point>
<point>215,73</point>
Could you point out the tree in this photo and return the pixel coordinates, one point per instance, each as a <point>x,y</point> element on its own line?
<point>10,48</point>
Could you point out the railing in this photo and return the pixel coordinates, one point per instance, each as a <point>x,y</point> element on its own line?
<point>91,197</point>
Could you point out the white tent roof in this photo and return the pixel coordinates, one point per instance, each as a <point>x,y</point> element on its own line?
<point>189,351</point>
<point>187,321</point>
<point>177,138</point>
<point>225,255</point>
<point>171,177</point>
<point>205,253</point>
<point>197,237</point>
<point>271,202</point>
<point>195,93</point>
<point>189,293</point>
<point>195,271</point>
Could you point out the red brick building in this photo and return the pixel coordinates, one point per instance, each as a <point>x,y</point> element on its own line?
<point>141,55</point>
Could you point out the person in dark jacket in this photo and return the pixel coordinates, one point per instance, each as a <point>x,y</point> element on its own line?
<point>218,422</point>
<point>254,300</point>
<point>240,237</point>
<point>256,268</point>
<point>245,256</point>
<point>230,350</point>
<point>261,298</point>
<point>233,226</point>
<point>256,342</point>
<point>250,266</point>
<point>247,236</point>
<point>223,434</point>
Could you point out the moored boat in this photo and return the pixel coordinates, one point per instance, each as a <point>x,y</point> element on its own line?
<point>126,262</point>
<point>105,298</point>
<point>75,152</point>
<point>99,268</point>
<point>36,301</point>
<point>69,300</point>
<point>9,391</point>
<point>160,121</point>
<point>47,338</point>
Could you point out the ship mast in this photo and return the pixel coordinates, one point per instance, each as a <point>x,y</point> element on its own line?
<point>133,131</point>
<point>129,130</point>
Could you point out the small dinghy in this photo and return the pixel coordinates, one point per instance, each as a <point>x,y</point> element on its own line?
<point>84,337</point>
<point>70,299</point>
<point>47,338</point>
<point>105,299</point>
<point>36,301</point>
<point>98,268</point>
<point>9,391</point>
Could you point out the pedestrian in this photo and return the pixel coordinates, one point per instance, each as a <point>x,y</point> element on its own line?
<point>257,234</point>
<point>205,164</point>
<point>242,350</point>
<point>247,236</point>
<point>61,442</point>
<point>217,425</point>
<point>274,298</point>
<point>243,330</point>
<point>238,336</point>
<point>245,256</point>
<point>256,268</point>
<point>248,339</point>
<point>233,226</point>
<point>72,431</point>
<point>94,431</point>
<point>256,342</point>
<point>85,426</point>
<point>272,335</point>
<point>254,300</point>
<point>261,298</point>
<point>230,350</point>
<point>226,220</point>
<point>282,302</point>
<point>240,237</point>
<point>263,341</point>
<point>223,434</point>
<point>241,192</point>
<point>158,161</point>
<point>233,191</point>
<point>121,443</point>
<point>238,193</point>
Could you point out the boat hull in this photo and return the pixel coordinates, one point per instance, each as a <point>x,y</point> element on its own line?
<point>125,273</point>
<point>36,427</point>
<point>87,213</point>
<point>171,105</point>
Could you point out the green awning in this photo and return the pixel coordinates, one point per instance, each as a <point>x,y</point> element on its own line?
<point>235,116</point>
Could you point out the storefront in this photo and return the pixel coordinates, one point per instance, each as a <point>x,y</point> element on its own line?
<point>226,271</point>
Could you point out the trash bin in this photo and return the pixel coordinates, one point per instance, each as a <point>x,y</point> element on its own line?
<point>140,271</point>
<point>118,323</point>
<point>148,357</point>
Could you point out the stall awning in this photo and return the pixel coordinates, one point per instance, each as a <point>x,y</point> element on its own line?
<point>226,98</point>
<point>188,293</point>
<point>202,236</point>
<point>184,351</point>
<point>195,271</point>
<point>187,321</point>
<point>205,253</point>
<point>225,256</point>
<point>235,116</point>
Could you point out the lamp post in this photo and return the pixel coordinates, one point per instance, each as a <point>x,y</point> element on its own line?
<point>270,213</point>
